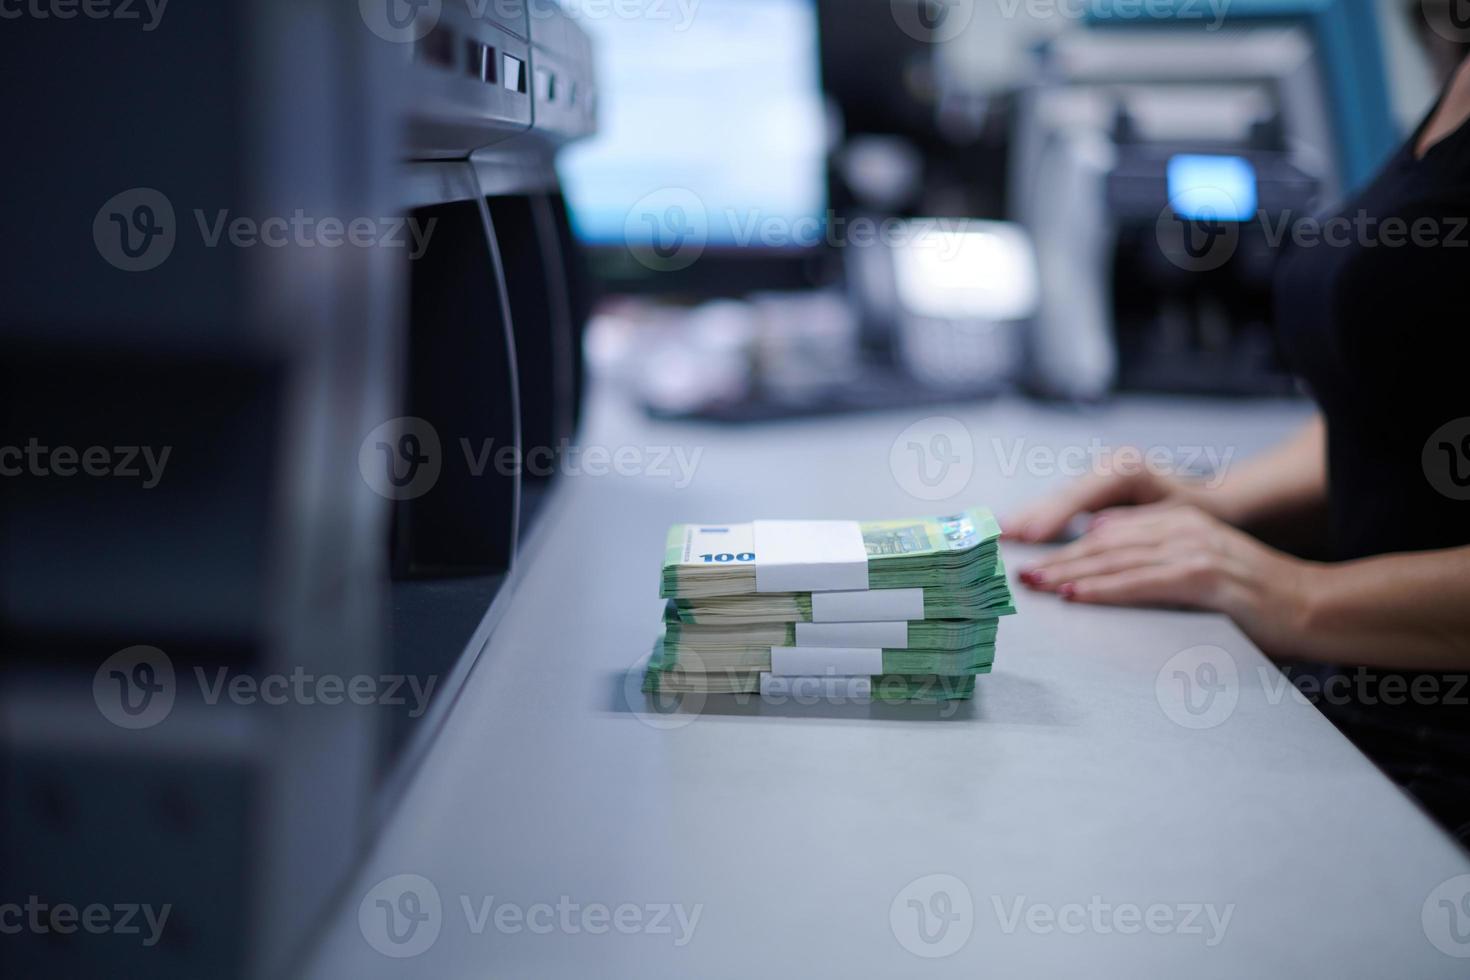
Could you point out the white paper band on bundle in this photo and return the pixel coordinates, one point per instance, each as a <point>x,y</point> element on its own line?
<point>809,556</point>
<point>826,688</point>
<point>851,661</point>
<point>868,606</point>
<point>885,636</point>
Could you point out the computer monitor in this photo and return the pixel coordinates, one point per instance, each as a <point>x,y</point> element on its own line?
<point>712,143</point>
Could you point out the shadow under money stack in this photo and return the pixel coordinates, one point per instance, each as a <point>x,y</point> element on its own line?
<point>903,610</point>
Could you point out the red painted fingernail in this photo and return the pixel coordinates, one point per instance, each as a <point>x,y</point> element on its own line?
<point>1068,590</point>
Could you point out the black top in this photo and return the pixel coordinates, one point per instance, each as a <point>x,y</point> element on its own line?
<point>1375,318</point>
<point>1372,314</point>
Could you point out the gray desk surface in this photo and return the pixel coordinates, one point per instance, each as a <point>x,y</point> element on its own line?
<point>801,834</point>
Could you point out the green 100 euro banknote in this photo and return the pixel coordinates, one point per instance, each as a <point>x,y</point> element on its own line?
<point>956,551</point>
<point>936,635</point>
<point>971,660</point>
<point>885,687</point>
<point>988,598</point>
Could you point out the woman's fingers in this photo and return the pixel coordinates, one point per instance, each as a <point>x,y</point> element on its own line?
<point>1123,532</point>
<point>1140,556</point>
<point>1142,510</point>
<point>1046,519</point>
<point>1058,574</point>
<point>1172,583</point>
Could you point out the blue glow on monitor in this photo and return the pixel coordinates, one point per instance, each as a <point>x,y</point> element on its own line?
<point>723,103</point>
<point>1212,188</point>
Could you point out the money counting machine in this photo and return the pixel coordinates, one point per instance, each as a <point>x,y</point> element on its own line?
<point>1158,171</point>
<point>310,259</point>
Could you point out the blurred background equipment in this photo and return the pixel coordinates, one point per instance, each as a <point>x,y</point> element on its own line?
<point>1267,120</point>
<point>1144,295</point>
<point>1272,110</point>
<point>1078,124</point>
<point>817,169</point>
<point>297,388</point>
<point>955,297</point>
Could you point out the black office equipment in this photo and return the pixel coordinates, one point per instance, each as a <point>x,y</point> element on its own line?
<point>1191,287</point>
<point>253,246</point>
<point>1159,169</point>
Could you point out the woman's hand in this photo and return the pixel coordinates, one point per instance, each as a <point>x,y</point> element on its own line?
<point>1175,548</point>
<point>1284,483</point>
<point>1100,495</point>
<point>1182,556</point>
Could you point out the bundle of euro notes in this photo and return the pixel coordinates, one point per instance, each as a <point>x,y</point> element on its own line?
<point>904,610</point>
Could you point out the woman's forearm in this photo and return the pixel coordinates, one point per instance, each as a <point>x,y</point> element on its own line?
<point>1409,611</point>
<point>1406,611</point>
<point>1286,481</point>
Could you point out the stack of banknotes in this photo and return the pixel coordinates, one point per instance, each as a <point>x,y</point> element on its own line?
<point>903,610</point>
